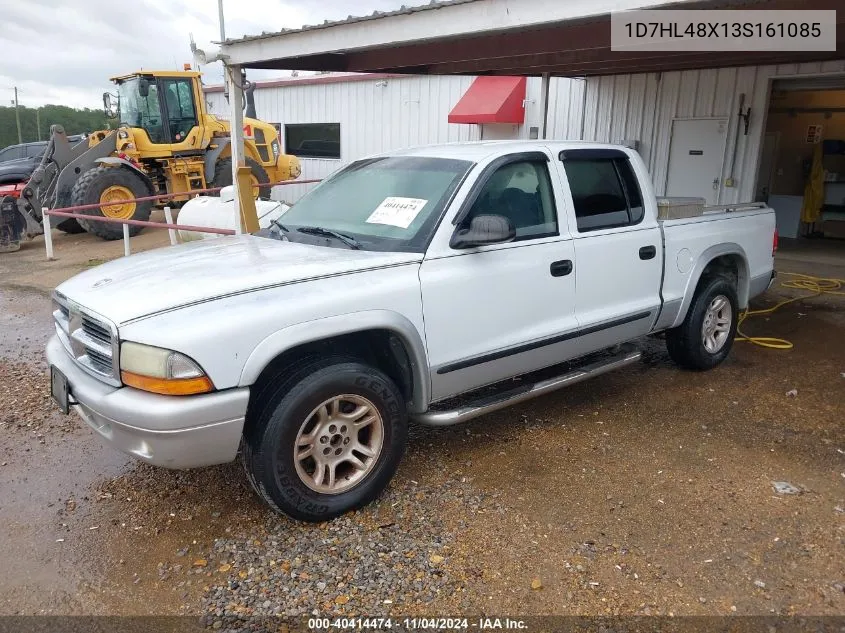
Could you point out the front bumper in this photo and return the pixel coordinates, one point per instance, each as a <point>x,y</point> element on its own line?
<point>169,431</point>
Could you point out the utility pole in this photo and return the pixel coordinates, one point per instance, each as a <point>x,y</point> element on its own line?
<point>38,122</point>
<point>222,25</point>
<point>18,117</point>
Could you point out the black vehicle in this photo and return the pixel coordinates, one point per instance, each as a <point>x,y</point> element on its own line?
<point>25,150</point>
<point>17,162</point>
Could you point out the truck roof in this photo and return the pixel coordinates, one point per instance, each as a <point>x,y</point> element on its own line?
<point>479,150</point>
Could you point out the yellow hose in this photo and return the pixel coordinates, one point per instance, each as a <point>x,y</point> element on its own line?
<point>816,285</point>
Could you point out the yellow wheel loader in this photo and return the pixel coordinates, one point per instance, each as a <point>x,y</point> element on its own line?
<point>166,143</point>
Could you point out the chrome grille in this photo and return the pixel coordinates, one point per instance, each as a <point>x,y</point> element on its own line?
<point>96,330</point>
<point>90,339</point>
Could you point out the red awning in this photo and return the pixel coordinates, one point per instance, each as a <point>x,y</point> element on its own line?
<point>491,99</point>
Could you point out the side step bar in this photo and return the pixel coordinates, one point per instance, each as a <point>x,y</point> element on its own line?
<point>626,356</point>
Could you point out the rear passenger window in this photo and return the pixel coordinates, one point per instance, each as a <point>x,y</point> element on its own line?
<point>605,193</point>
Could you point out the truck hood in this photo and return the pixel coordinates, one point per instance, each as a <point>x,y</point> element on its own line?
<point>163,279</point>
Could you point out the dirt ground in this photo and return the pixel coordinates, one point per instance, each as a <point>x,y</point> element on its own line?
<point>29,268</point>
<point>645,491</point>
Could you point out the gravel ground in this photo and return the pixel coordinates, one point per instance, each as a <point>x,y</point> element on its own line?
<point>27,388</point>
<point>356,564</point>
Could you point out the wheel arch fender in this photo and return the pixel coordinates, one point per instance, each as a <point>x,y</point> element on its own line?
<point>122,163</point>
<point>291,337</point>
<point>727,251</point>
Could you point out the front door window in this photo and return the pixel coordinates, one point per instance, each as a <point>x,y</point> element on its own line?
<point>141,112</point>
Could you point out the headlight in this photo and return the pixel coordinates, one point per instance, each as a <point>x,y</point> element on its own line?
<point>275,147</point>
<point>161,371</point>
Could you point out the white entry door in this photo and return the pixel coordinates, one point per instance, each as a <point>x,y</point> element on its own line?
<point>696,158</point>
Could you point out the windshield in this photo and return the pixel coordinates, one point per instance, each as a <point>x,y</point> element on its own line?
<point>389,203</point>
<point>138,111</point>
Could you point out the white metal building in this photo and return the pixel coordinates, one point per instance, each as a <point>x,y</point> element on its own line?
<point>380,112</point>
<point>709,124</point>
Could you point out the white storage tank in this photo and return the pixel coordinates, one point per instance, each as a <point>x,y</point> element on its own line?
<point>219,213</point>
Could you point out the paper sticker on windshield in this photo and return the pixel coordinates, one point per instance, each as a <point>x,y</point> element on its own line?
<point>397,211</point>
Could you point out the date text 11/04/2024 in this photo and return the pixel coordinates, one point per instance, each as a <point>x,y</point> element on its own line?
<point>439,624</point>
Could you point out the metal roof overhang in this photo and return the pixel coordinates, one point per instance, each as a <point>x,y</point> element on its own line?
<point>501,37</point>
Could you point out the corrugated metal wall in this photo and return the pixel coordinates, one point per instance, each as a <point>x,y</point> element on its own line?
<point>566,106</point>
<point>374,116</point>
<point>642,107</point>
<point>413,111</point>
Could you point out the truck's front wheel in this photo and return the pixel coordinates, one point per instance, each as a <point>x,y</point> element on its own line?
<point>706,336</point>
<point>325,440</point>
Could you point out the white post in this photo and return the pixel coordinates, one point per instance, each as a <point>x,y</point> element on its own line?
<point>169,217</point>
<point>220,17</point>
<point>48,234</point>
<point>544,95</point>
<point>236,122</point>
<point>126,252</point>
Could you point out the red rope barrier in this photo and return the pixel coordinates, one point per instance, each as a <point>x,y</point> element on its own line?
<point>157,225</point>
<point>83,207</point>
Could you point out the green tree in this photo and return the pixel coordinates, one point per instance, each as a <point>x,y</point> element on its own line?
<point>74,120</point>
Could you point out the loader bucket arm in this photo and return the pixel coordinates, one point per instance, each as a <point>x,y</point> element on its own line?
<point>52,181</point>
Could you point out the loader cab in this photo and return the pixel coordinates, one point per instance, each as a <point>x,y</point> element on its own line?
<point>165,106</point>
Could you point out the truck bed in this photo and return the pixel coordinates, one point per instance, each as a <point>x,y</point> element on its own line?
<point>733,228</point>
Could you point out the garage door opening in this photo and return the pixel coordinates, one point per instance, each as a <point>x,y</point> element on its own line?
<point>801,172</point>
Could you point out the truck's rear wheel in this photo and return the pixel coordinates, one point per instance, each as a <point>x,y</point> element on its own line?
<point>706,336</point>
<point>326,440</point>
<point>114,188</point>
<point>223,176</point>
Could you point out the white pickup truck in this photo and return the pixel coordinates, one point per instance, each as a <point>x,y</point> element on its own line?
<point>397,284</point>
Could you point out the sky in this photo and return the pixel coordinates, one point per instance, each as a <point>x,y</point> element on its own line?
<point>64,51</point>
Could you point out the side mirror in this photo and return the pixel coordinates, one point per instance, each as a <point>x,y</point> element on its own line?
<point>144,87</point>
<point>109,105</point>
<point>483,230</point>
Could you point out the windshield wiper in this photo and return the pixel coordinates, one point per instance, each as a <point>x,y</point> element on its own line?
<point>282,228</point>
<point>350,241</point>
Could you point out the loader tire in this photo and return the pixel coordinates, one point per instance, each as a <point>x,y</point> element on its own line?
<point>70,226</point>
<point>223,175</point>
<point>111,184</point>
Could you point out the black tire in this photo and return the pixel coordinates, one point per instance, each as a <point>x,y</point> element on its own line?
<point>269,441</point>
<point>70,225</point>
<point>685,343</point>
<point>223,175</point>
<point>93,182</point>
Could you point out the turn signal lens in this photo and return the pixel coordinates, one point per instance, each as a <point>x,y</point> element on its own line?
<point>168,387</point>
